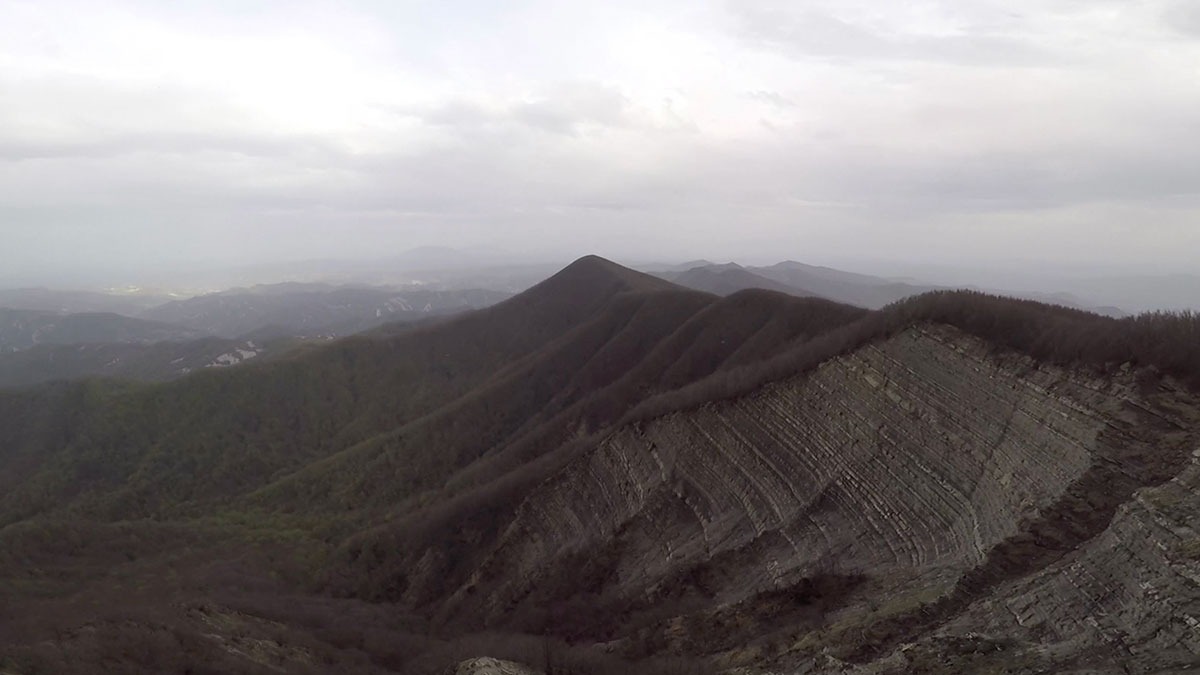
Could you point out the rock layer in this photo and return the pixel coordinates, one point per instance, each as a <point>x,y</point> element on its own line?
<point>915,463</point>
<point>1131,596</point>
<point>490,666</point>
<point>865,458</point>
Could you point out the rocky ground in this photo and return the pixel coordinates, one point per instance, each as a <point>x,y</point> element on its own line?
<point>926,502</point>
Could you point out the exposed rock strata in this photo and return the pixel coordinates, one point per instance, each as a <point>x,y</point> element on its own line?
<point>870,458</point>
<point>915,463</point>
<point>1131,596</point>
<point>490,666</point>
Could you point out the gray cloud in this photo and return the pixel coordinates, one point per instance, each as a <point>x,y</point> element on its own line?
<point>772,98</point>
<point>1183,17</point>
<point>566,108</point>
<point>803,129</point>
<point>814,32</point>
<point>170,143</point>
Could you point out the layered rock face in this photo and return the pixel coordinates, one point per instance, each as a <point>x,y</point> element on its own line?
<point>1128,601</point>
<point>490,666</point>
<point>922,467</point>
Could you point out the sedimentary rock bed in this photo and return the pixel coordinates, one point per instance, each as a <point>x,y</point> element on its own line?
<point>490,666</point>
<point>911,458</point>
<point>1131,595</point>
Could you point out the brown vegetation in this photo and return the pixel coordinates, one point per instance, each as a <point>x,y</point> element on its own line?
<point>216,505</point>
<point>1157,343</point>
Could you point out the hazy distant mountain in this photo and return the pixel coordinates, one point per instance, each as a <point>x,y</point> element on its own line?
<point>506,278</point>
<point>438,267</point>
<point>728,279</point>
<point>75,302</point>
<point>664,269</point>
<point>791,277</point>
<point>1139,293</point>
<point>314,309</point>
<point>1112,286</point>
<point>147,362</point>
<point>855,289</point>
<point>1066,300</point>
<point>23,328</point>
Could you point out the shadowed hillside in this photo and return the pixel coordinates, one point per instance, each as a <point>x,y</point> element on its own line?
<point>149,362</point>
<point>22,329</point>
<point>695,482</point>
<point>295,410</point>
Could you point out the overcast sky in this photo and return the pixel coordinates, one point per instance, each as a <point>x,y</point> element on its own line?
<point>962,132</point>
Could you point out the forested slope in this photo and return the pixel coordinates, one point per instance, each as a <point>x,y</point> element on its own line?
<point>757,480</point>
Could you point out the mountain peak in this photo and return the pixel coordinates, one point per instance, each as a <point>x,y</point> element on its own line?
<point>579,288</point>
<point>590,260</point>
<point>593,273</point>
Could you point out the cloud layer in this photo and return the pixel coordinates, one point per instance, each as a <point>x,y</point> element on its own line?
<point>211,133</point>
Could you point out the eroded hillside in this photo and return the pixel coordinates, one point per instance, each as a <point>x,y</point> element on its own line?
<point>890,489</point>
<point>611,474</point>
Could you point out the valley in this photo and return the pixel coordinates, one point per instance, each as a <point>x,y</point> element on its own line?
<point>163,339</point>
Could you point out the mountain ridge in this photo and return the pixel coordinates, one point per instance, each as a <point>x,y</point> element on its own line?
<point>729,279</point>
<point>22,329</point>
<point>612,467</point>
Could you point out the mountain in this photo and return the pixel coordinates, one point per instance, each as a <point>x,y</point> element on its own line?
<point>438,268</point>
<point>610,473</point>
<point>851,288</point>
<point>1144,292</point>
<point>22,329</point>
<point>314,309</point>
<point>666,269</point>
<point>78,302</point>
<point>40,346</point>
<point>848,287</point>
<point>149,362</point>
<point>728,279</point>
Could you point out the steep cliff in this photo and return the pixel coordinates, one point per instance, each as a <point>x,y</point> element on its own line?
<point>901,482</point>
<point>1126,601</point>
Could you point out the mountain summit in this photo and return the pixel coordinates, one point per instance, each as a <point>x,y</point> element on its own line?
<point>575,292</point>
<point>592,278</point>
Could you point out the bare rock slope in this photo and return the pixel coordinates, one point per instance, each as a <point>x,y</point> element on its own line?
<point>926,489</point>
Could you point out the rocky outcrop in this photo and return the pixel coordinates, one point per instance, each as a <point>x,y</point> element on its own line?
<point>1130,596</point>
<point>919,465</point>
<point>489,666</point>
